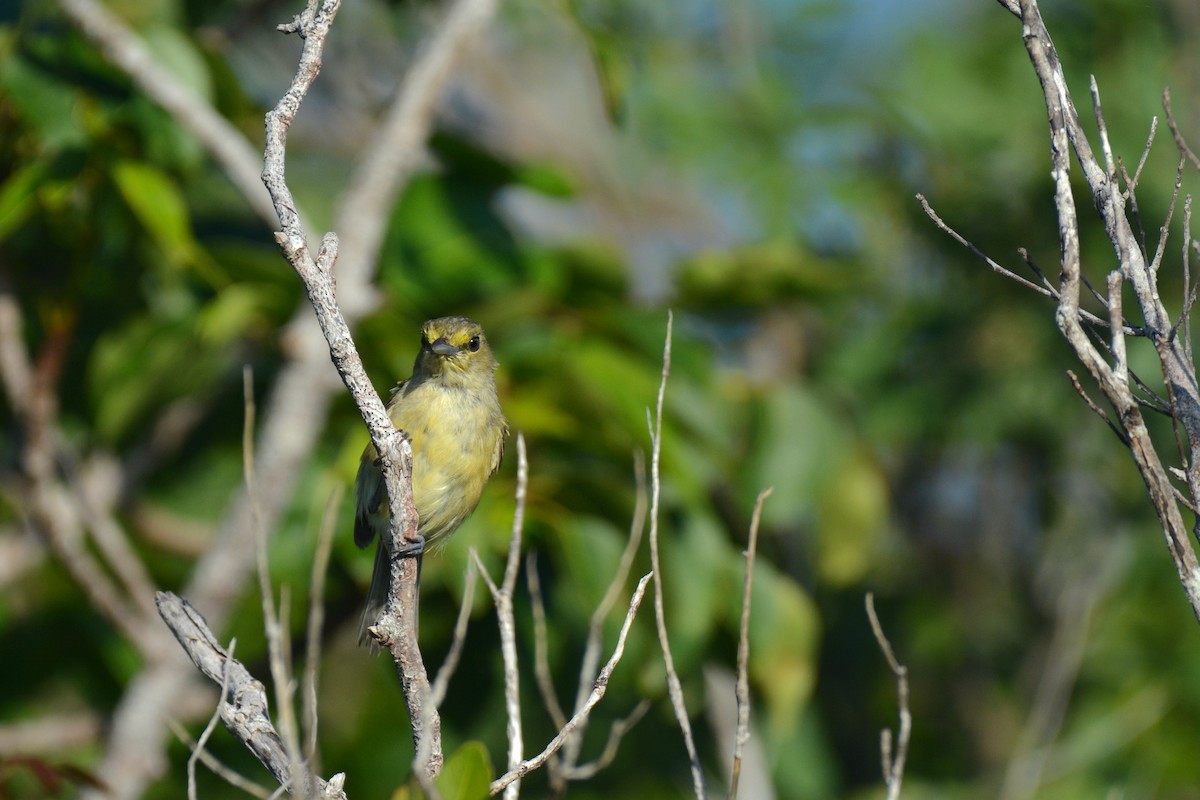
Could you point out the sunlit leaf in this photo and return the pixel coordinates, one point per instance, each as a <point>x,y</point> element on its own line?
<point>157,203</point>
<point>467,773</point>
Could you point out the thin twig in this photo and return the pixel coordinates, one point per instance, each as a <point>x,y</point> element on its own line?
<point>216,767</point>
<point>1036,270</point>
<point>1097,410</point>
<point>502,597</point>
<point>597,694</point>
<point>316,620</point>
<point>893,758</point>
<point>743,654</point>
<point>508,626</point>
<point>441,681</point>
<point>1189,288</point>
<point>1175,133</point>
<point>244,707</point>
<point>209,728</point>
<point>590,662</point>
<point>1046,291</point>
<point>541,656</point>
<point>1164,231</point>
<point>1137,175</point>
<point>278,646</point>
<point>582,772</point>
<point>674,688</point>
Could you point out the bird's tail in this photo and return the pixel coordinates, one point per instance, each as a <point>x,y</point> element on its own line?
<point>377,595</point>
<point>381,578</point>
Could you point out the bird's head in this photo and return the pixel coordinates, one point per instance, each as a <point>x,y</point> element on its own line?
<point>454,350</point>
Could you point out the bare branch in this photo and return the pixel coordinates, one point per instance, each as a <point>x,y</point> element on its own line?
<point>975,251</point>
<point>541,659</point>
<point>674,688</point>
<point>503,598</point>
<point>442,681</point>
<point>216,767</point>
<point>210,727</point>
<point>396,628</point>
<point>278,646</point>
<point>1066,134</point>
<point>244,704</point>
<point>893,757</point>
<point>1179,140</point>
<point>590,662</point>
<point>1137,175</point>
<point>618,730</point>
<point>1189,289</point>
<point>1046,290</point>
<point>743,656</point>
<point>316,619</point>
<point>1097,410</point>
<point>597,693</point>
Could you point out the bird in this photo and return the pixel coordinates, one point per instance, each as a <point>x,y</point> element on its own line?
<point>451,413</point>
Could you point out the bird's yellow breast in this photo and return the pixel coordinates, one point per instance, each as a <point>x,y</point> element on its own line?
<point>456,438</point>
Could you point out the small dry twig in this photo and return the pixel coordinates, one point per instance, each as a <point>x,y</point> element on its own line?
<point>210,727</point>
<point>316,620</point>
<point>743,655</point>
<point>596,695</point>
<point>893,759</point>
<point>674,687</point>
<point>502,596</point>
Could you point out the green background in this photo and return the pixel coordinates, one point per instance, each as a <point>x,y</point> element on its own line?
<point>751,166</point>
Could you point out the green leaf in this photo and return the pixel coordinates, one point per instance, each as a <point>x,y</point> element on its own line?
<point>143,364</point>
<point>158,204</point>
<point>798,443</point>
<point>466,774</point>
<point>784,631</point>
<point>227,316</point>
<point>696,579</point>
<point>854,511</point>
<point>18,197</point>
<point>49,107</point>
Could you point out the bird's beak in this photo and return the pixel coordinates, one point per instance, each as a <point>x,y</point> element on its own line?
<point>443,348</point>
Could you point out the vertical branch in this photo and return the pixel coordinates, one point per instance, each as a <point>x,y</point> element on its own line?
<point>508,633</point>
<point>1179,373</point>
<point>743,655</point>
<point>502,596</point>
<point>396,629</point>
<point>674,687</point>
<point>442,680</point>
<point>893,755</point>
<point>316,621</point>
<point>277,645</point>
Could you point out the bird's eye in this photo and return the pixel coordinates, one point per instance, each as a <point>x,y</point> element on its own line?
<point>473,345</point>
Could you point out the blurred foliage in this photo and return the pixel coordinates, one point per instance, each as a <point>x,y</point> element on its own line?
<point>752,167</point>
